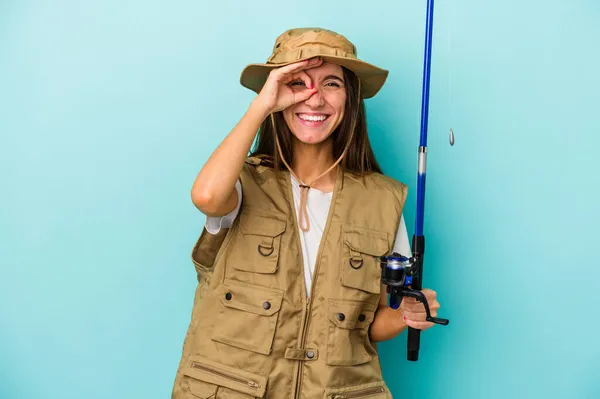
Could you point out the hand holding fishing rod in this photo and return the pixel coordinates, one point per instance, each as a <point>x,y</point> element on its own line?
<point>403,275</point>
<point>398,274</point>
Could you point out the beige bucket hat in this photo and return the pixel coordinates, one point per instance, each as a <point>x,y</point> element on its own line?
<point>303,43</point>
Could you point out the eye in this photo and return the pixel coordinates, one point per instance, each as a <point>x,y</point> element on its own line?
<point>297,83</point>
<point>333,84</point>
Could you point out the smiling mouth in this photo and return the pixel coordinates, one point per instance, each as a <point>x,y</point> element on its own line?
<point>312,120</point>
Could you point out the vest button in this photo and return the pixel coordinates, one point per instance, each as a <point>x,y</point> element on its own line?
<point>267,305</point>
<point>310,354</point>
<point>362,318</point>
<point>341,317</point>
<point>228,296</point>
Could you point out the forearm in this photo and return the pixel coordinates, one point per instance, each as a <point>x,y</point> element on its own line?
<point>387,324</point>
<point>214,186</point>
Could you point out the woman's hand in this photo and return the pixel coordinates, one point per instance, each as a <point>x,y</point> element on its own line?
<point>390,322</point>
<point>413,312</point>
<point>277,94</point>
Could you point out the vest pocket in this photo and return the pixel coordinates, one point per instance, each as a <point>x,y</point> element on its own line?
<point>206,379</point>
<point>374,390</point>
<point>348,342</point>
<point>259,238</point>
<point>248,316</point>
<point>360,267</point>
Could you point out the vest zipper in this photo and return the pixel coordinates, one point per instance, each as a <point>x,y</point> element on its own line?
<point>305,325</point>
<point>250,383</point>
<point>358,394</point>
<point>308,299</point>
<point>339,178</point>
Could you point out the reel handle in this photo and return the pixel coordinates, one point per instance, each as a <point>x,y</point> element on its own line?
<point>396,298</point>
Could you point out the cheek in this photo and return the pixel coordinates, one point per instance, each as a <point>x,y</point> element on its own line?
<point>340,107</point>
<point>288,116</point>
<point>338,102</point>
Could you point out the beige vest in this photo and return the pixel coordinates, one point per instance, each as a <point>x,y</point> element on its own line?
<point>253,332</point>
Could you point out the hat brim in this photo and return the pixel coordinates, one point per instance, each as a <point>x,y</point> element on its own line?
<point>372,78</point>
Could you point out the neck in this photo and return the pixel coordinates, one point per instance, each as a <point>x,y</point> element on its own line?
<point>311,160</point>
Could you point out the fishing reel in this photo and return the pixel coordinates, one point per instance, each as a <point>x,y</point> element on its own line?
<point>398,273</point>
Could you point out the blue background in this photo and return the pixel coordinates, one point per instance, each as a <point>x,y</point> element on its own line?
<point>109,109</point>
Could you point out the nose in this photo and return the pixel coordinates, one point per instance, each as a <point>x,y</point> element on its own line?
<point>316,100</point>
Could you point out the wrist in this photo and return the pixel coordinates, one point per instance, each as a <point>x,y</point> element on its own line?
<point>258,110</point>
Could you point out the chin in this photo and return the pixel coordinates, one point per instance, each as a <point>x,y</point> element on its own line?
<point>311,137</point>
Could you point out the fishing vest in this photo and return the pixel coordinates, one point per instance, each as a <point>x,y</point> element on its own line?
<point>253,331</point>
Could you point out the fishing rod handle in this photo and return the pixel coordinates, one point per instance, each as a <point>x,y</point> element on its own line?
<point>414,341</point>
<point>414,335</point>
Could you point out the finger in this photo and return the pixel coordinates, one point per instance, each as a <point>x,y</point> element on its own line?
<point>297,66</point>
<point>419,307</point>
<point>303,95</point>
<point>419,325</point>
<point>311,63</point>
<point>318,62</point>
<point>411,303</point>
<point>418,316</point>
<point>430,294</point>
<point>409,316</point>
<point>409,300</point>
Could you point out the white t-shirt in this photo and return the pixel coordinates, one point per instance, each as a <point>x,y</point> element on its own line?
<point>318,203</point>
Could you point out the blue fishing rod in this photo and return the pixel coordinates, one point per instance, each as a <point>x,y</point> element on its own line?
<point>403,275</point>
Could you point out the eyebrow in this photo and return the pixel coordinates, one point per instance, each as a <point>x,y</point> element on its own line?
<point>334,77</point>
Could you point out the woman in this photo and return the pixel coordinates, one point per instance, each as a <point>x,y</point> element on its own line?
<point>289,302</point>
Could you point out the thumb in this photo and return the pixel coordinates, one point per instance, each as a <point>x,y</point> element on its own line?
<point>304,95</point>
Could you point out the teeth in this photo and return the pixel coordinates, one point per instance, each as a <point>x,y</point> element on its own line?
<point>313,118</point>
